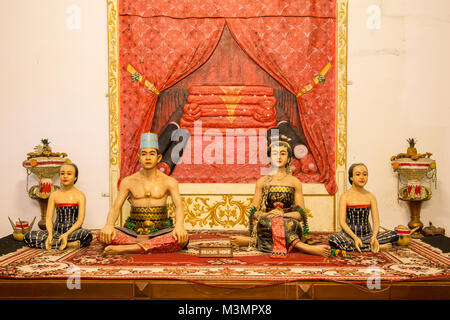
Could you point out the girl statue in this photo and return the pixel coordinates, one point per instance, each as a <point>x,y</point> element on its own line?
<point>70,205</point>
<point>277,209</point>
<point>354,208</point>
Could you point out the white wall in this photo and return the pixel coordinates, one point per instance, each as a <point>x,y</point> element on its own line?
<point>53,84</point>
<point>400,90</point>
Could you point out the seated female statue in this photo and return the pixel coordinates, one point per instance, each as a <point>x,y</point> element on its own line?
<point>355,206</point>
<point>277,209</point>
<point>70,206</point>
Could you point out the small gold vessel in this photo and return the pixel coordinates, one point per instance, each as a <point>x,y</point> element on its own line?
<point>20,228</point>
<point>404,235</point>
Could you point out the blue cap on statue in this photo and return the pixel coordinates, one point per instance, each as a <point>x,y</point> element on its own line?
<point>149,140</point>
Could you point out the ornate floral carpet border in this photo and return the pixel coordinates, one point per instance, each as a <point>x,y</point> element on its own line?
<point>419,261</point>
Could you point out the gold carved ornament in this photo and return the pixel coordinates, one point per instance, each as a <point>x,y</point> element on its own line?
<point>341,102</point>
<point>206,211</point>
<point>113,83</point>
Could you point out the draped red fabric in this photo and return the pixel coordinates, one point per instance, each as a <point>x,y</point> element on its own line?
<point>292,40</point>
<point>229,8</point>
<point>163,51</point>
<point>294,50</point>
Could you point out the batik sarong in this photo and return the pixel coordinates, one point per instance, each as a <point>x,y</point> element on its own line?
<point>66,216</point>
<point>278,236</point>
<point>165,243</point>
<point>357,219</point>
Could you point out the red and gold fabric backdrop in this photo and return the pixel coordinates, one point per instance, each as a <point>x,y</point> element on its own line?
<point>165,41</point>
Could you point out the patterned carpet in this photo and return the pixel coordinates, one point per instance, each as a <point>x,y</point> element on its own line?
<point>418,261</point>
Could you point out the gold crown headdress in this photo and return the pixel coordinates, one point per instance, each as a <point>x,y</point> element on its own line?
<point>280,140</point>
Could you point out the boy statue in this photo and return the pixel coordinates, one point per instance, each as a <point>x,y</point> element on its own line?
<point>147,190</point>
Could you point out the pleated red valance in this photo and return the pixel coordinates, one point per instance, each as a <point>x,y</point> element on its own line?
<point>228,9</point>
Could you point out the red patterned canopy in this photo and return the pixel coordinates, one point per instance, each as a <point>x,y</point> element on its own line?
<point>229,8</point>
<point>167,40</point>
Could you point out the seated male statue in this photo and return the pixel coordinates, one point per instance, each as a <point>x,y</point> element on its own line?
<point>147,190</point>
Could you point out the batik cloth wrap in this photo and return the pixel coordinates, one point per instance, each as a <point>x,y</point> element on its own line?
<point>357,218</point>
<point>165,243</point>
<point>66,216</point>
<point>278,236</point>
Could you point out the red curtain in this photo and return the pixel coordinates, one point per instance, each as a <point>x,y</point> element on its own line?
<point>294,50</point>
<point>162,51</point>
<point>166,40</point>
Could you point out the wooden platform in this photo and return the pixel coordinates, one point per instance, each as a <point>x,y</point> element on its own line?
<point>183,290</point>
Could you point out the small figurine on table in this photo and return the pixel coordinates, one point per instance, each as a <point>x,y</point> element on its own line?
<point>70,205</point>
<point>355,206</point>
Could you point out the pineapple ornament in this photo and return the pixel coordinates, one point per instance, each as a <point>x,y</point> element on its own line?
<point>411,151</point>
<point>46,149</point>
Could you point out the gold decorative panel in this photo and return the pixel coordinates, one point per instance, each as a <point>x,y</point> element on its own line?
<point>230,211</point>
<point>341,103</point>
<point>227,211</point>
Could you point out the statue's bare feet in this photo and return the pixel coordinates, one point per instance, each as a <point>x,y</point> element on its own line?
<point>122,249</point>
<point>317,250</point>
<point>112,250</point>
<point>240,241</point>
<point>385,247</point>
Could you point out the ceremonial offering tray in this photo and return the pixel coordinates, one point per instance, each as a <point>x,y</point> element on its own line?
<point>414,167</point>
<point>45,164</point>
<point>413,170</point>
